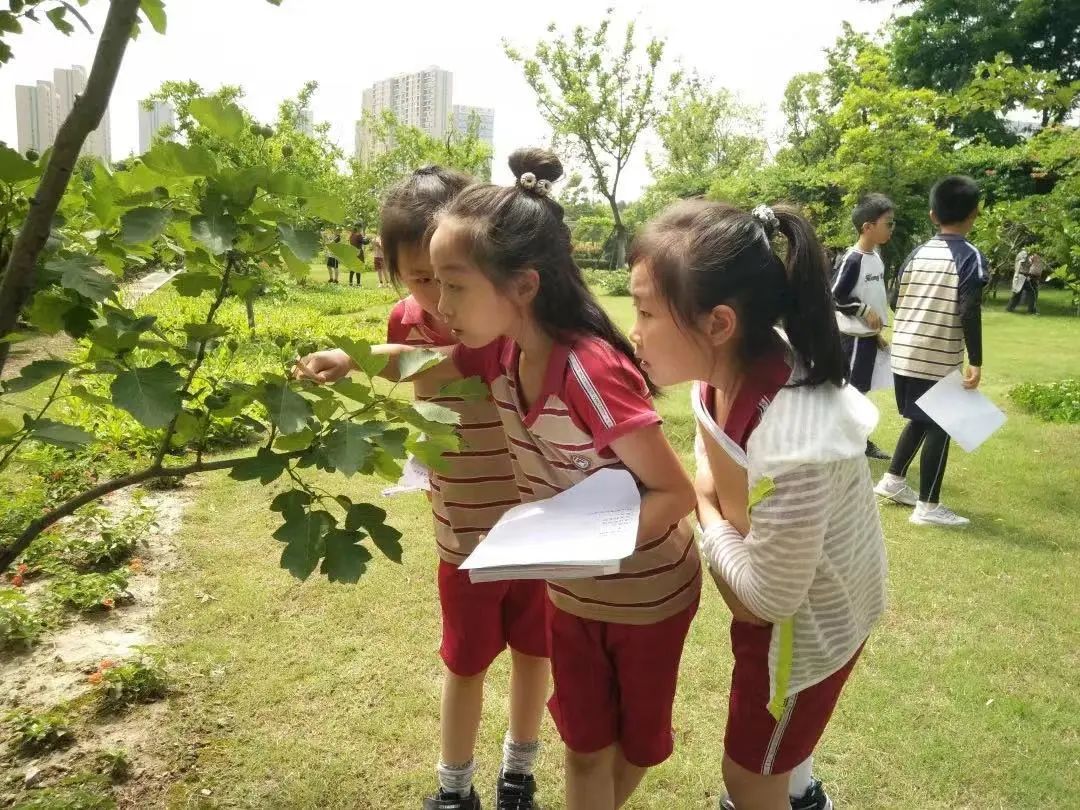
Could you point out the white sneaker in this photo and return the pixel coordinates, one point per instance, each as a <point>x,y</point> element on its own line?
<point>897,492</point>
<point>936,515</point>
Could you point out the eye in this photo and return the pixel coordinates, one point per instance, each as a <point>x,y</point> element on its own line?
<point>643,314</point>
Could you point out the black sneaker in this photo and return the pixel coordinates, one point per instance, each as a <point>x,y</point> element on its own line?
<point>815,798</point>
<point>452,801</point>
<point>875,452</point>
<point>515,791</point>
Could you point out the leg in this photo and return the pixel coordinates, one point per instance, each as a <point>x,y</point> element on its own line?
<point>627,777</point>
<point>590,780</point>
<point>935,456</point>
<point>753,791</point>
<point>1033,301</point>
<point>1014,300</point>
<point>462,703</point>
<point>906,447</point>
<point>530,677</point>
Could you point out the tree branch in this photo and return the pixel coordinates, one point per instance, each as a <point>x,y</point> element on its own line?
<point>17,282</point>
<point>10,553</point>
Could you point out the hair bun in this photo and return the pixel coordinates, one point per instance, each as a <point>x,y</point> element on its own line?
<point>542,163</point>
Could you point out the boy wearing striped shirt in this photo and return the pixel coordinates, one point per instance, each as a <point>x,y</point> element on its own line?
<point>938,315</point>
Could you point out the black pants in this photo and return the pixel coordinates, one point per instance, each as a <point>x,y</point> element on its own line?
<point>935,455</point>
<point>354,273</point>
<point>1032,293</point>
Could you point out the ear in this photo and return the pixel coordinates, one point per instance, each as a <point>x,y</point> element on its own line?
<point>933,218</point>
<point>526,285</point>
<point>720,324</point>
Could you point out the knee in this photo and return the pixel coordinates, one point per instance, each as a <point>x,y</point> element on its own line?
<point>585,764</point>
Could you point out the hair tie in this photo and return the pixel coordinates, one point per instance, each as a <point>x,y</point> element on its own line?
<point>766,218</point>
<point>528,181</point>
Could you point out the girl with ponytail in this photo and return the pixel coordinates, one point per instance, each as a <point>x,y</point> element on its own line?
<point>791,534</point>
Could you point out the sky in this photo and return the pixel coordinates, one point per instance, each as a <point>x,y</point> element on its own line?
<point>752,48</point>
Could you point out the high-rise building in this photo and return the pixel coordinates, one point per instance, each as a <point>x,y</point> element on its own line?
<point>464,116</point>
<point>71,83</point>
<point>419,99</point>
<point>36,116</point>
<point>152,120</point>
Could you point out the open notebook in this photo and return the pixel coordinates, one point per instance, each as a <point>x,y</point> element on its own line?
<point>584,531</point>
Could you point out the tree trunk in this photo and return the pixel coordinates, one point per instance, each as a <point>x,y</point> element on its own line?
<point>18,278</point>
<point>249,305</point>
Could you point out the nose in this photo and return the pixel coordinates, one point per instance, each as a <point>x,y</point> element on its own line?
<point>443,306</point>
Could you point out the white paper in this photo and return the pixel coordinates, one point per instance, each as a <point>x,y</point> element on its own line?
<point>415,477</point>
<point>968,416</point>
<point>583,531</point>
<point>882,378</point>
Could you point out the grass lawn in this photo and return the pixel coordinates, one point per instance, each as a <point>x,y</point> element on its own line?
<point>963,698</point>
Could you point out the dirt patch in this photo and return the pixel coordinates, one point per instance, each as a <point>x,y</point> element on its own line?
<point>56,671</point>
<point>26,352</point>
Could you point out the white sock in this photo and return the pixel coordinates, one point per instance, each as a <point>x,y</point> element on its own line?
<point>519,757</point>
<point>800,778</point>
<point>923,506</point>
<point>457,778</point>
<point>889,478</point>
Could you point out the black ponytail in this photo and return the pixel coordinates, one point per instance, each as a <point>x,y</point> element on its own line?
<point>809,316</point>
<point>702,254</point>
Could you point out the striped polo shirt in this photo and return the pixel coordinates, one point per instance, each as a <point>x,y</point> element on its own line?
<point>478,483</point>
<point>591,396</point>
<point>939,285</point>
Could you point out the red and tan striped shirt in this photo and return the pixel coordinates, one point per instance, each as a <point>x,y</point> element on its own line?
<point>478,484</point>
<point>591,396</point>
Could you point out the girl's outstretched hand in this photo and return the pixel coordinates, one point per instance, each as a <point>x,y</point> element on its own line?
<point>326,366</point>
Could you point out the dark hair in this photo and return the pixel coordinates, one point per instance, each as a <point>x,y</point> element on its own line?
<point>514,228</point>
<point>410,208</point>
<point>702,254</point>
<point>870,208</point>
<point>953,199</point>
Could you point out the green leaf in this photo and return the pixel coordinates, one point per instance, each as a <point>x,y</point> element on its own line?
<point>437,413</point>
<point>83,393</point>
<point>326,207</point>
<point>303,534</point>
<point>35,374</point>
<point>387,539</point>
<point>47,312</point>
<point>56,17</point>
<point>155,14</point>
<point>299,269</point>
<point>204,331</point>
<point>9,23</point>
<point>14,168</point>
<point>78,273</point>
<point>188,427</point>
<point>78,321</point>
<point>386,466</point>
<point>215,232</point>
<point>171,159</point>
<point>151,395</point>
<point>265,465</point>
<point>346,560</point>
<point>364,515</point>
<point>297,441</point>
<point>288,410</point>
<point>416,361</point>
<point>143,224</point>
<point>360,353</point>
<point>468,388</point>
<point>190,284</point>
<point>7,428</point>
<point>243,286</point>
<point>393,441</point>
<point>303,244</point>
<point>347,255</point>
<point>220,117</point>
<point>430,449</point>
<point>350,389</point>
<point>293,500</point>
<point>284,184</point>
<point>348,447</point>
<point>58,434</point>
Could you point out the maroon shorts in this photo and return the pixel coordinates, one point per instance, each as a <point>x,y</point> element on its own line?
<point>615,683</point>
<point>378,262</point>
<point>754,739</point>
<point>480,619</point>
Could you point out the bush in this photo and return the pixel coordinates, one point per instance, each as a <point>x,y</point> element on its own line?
<point>1054,402</point>
<point>20,625</point>
<point>140,681</point>
<point>617,282</point>
<point>37,732</point>
<point>90,593</point>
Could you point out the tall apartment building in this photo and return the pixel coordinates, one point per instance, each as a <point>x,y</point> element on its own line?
<point>35,114</point>
<point>70,83</point>
<point>421,99</point>
<point>152,120</point>
<point>464,115</point>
